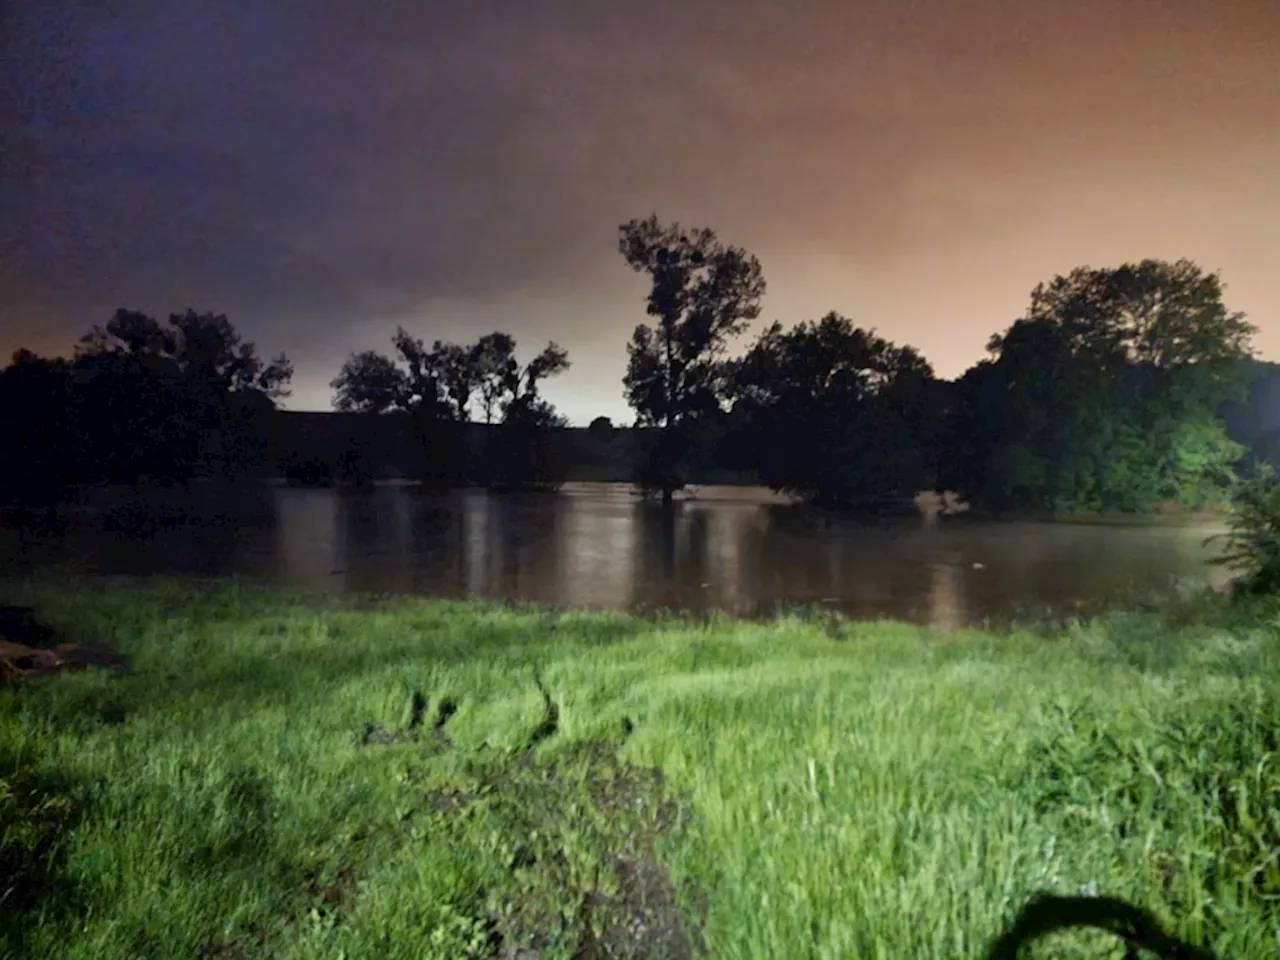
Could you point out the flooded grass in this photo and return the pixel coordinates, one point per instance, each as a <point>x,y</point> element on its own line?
<point>299,778</point>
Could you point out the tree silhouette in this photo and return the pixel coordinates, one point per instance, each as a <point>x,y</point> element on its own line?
<point>518,452</point>
<point>140,398</point>
<point>834,413</point>
<point>601,429</point>
<point>430,386</point>
<point>205,347</point>
<point>38,431</point>
<point>436,388</point>
<point>701,294</point>
<point>370,382</point>
<point>493,360</point>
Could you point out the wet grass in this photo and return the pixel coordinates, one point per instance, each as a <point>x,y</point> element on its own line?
<point>295,778</point>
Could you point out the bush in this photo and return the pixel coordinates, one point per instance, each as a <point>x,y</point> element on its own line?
<point>1253,543</point>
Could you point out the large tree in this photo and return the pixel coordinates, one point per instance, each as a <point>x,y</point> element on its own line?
<point>1106,395</point>
<point>417,380</point>
<point>835,414</point>
<point>701,294</point>
<point>141,398</point>
<point>370,382</point>
<point>497,373</point>
<point>447,377</point>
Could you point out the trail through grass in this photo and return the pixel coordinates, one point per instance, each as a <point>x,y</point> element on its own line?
<point>298,777</point>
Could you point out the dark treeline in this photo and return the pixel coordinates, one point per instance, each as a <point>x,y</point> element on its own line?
<point>139,399</point>
<point>1108,395</point>
<point>1112,394</point>
<point>442,388</point>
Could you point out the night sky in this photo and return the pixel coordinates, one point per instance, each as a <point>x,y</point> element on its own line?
<point>324,170</point>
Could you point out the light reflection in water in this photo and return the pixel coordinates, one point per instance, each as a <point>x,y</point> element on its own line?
<point>475,532</point>
<point>946,606</point>
<point>307,538</point>
<point>596,559</point>
<point>599,546</point>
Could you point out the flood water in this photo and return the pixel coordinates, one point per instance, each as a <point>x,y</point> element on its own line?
<point>740,550</point>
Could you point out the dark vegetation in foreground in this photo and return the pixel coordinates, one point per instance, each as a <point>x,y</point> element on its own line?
<point>1123,390</point>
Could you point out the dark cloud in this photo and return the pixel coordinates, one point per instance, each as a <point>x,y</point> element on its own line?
<point>323,172</point>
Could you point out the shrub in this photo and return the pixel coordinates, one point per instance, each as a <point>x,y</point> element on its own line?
<point>1253,543</point>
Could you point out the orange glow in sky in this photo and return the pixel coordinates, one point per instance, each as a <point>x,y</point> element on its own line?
<point>916,166</point>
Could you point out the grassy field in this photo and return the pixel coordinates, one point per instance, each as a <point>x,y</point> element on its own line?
<point>383,778</point>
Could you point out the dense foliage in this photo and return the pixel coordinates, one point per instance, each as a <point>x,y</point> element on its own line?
<point>1106,396</point>
<point>835,414</point>
<point>1253,540</point>
<point>139,398</point>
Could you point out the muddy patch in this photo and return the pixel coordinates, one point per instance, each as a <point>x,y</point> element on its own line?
<point>574,845</point>
<point>414,732</point>
<point>550,724</point>
<point>29,648</point>
<point>583,868</point>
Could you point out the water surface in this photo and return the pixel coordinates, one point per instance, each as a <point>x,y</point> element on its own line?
<point>737,549</point>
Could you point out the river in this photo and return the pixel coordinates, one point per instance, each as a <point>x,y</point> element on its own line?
<point>741,550</point>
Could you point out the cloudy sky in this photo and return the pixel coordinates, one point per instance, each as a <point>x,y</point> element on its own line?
<point>325,170</point>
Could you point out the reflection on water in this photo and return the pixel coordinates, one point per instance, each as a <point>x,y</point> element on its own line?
<point>598,546</point>
<point>946,606</point>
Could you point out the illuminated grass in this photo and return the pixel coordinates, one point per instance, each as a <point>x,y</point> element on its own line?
<point>306,779</point>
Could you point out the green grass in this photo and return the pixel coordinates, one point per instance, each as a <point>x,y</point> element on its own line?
<point>298,778</point>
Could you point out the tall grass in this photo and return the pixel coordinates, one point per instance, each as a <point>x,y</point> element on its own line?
<point>298,778</point>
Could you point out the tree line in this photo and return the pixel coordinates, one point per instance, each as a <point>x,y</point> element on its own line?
<point>138,400</point>
<point>440,390</point>
<point>1107,395</point>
